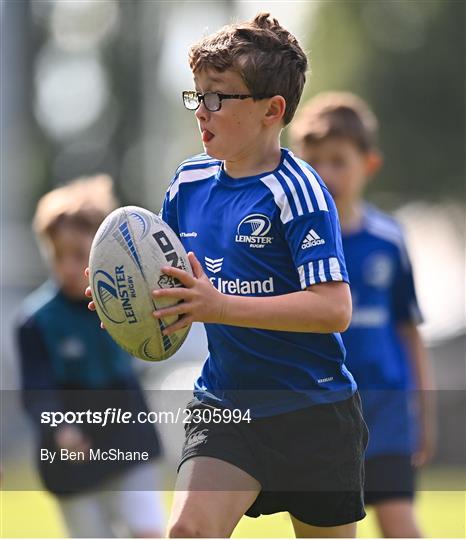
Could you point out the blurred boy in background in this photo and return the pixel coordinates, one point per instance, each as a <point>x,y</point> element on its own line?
<point>336,133</point>
<point>69,364</point>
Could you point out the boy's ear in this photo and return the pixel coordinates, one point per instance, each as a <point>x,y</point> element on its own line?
<point>374,161</point>
<point>275,109</point>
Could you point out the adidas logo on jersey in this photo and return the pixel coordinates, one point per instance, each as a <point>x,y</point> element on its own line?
<point>312,239</point>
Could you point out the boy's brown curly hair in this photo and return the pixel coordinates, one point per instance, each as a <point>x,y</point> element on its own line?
<point>268,58</point>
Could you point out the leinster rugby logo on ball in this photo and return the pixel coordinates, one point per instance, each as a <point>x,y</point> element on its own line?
<point>253,230</point>
<point>107,296</point>
<point>114,295</point>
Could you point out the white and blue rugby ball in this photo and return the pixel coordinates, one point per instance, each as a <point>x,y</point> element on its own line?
<point>127,253</point>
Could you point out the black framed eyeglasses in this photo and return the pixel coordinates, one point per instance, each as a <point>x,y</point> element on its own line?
<point>212,100</point>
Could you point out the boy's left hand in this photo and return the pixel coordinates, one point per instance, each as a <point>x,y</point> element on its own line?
<point>199,299</point>
<point>427,442</point>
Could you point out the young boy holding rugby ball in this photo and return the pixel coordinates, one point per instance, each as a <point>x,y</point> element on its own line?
<point>271,286</point>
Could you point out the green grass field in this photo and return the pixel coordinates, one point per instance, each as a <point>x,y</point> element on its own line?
<point>34,514</point>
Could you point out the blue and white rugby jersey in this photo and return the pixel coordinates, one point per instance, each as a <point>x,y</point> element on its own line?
<point>383,294</point>
<point>263,235</point>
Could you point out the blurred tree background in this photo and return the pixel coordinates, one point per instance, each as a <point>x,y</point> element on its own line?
<point>407,59</point>
<point>94,86</point>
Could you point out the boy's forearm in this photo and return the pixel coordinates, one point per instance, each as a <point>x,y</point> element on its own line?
<point>424,386</point>
<point>422,370</point>
<point>325,311</point>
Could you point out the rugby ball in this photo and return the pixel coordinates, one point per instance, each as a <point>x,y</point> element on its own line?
<point>127,253</point>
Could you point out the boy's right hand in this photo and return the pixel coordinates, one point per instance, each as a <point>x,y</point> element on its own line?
<point>88,293</point>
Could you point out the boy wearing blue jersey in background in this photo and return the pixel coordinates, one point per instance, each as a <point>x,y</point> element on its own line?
<point>68,364</point>
<point>336,133</point>
<point>271,286</point>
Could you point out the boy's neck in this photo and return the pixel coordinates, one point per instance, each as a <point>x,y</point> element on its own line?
<point>350,214</point>
<point>257,159</point>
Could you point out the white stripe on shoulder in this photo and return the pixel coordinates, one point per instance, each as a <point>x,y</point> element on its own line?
<point>197,160</point>
<point>384,223</point>
<point>384,228</point>
<point>279,196</point>
<point>294,194</point>
<point>312,279</point>
<point>310,207</point>
<point>335,270</point>
<point>315,186</point>
<point>302,278</point>
<point>389,234</point>
<point>321,270</point>
<point>192,175</point>
<point>386,232</point>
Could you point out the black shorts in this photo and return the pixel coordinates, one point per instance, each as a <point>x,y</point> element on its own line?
<point>389,477</point>
<point>309,462</point>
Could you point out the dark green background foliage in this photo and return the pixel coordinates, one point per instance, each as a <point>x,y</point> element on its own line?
<point>407,59</point>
